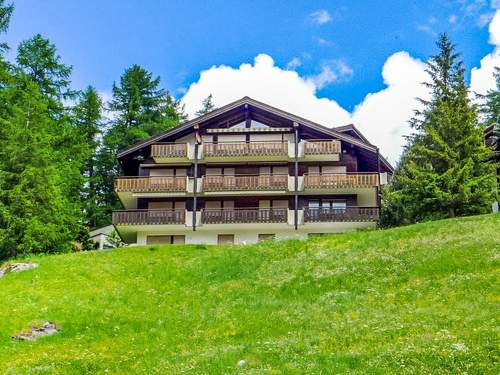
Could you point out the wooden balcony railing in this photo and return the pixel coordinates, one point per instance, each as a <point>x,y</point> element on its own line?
<point>169,150</point>
<point>244,215</point>
<point>150,184</point>
<point>149,217</point>
<point>313,215</point>
<point>257,182</point>
<point>322,147</point>
<point>231,149</point>
<point>341,180</point>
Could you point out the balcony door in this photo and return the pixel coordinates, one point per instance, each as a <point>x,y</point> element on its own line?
<point>271,209</point>
<point>325,209</point>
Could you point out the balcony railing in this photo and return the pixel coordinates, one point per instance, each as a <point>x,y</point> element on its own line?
<point>341,180</point>
<point>150,184</point>
<point>257,182</point>
<point>169,150</point>
<point>313,215</point>
<point>149,217</point>
<point>232,149</point>
<point>244,215</point>
<point>322,147</point>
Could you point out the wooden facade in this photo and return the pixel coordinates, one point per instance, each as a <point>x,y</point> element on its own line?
<point>249,164</point>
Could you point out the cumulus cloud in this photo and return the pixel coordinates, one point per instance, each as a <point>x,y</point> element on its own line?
<point>382,116</point>
<point>482,78</point>
<point>320,17</point>
<point>265,81</point>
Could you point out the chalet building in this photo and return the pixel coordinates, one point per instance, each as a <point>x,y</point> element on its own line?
<point>248,172</point>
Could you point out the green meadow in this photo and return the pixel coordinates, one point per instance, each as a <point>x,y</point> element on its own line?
<point>417,299</point>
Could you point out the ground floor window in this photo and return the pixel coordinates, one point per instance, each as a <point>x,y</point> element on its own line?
<point>266,237</point>
<point>327,203</point>
<point>166,240</point>
<point>225,239</point>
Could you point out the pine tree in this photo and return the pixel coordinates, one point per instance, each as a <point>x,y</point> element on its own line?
<point>445,170</point>
<point>207,106</point>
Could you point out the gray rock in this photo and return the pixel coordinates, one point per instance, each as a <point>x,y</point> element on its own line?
<point>17,267</point>
<point>47,329</point>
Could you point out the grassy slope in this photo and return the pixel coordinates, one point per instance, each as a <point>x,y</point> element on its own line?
<point>420,299</point>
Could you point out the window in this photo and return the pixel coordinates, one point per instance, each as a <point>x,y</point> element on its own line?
<point>225,239</point>
<point>266,237</point>
<point>334,203</point>
<point>165,240</point>
<point>314,204</point>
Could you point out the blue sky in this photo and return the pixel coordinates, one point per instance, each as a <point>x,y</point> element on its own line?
<point>177,39</point>
<point>340,47</point>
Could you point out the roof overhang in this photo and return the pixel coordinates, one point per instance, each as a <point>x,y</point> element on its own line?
<point>246,101</point>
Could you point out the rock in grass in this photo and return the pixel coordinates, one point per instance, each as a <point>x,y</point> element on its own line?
<point>17,267</point>
<point>47,329</point>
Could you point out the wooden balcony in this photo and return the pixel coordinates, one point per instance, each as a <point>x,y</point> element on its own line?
<point>149,217</point>
<point>322,147</point>
<point>169,150</point>
<point>245,183</point>
<point>348,214</point>
<point>341,180</point>
<point>244,215</point>
<point>236,149</point>
<point>150,184</point>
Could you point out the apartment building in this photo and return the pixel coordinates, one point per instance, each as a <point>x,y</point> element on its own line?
<point>248,172</point>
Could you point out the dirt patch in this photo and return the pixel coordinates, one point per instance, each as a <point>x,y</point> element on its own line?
<point>47,329</point>
<point>17,267</point>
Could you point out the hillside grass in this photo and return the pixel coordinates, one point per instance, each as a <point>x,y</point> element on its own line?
<point>418,299</point>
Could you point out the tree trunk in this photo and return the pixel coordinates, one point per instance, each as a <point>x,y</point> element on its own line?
<point>451,212</point>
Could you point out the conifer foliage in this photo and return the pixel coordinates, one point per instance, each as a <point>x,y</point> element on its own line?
<point>445,170</point>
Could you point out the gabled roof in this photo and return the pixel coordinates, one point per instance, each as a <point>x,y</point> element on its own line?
<point>338,133</point>
<point>350,128</point>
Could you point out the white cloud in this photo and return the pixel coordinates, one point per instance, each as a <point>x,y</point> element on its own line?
<point>482,78</point>
<point>331,71</point>
<point>294,63</point>
<point>320,17</point>
<point>452,18</point>
<point>382,115</point>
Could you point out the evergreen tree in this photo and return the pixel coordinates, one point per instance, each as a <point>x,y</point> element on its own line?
<point>5,15</point>
<point>36,215</point>
<point>88,121</point>
<point>207,105</point>
<point>445,169</point>
<point>491,107</point>
<point>38,58</point>
<point>140,110</point>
